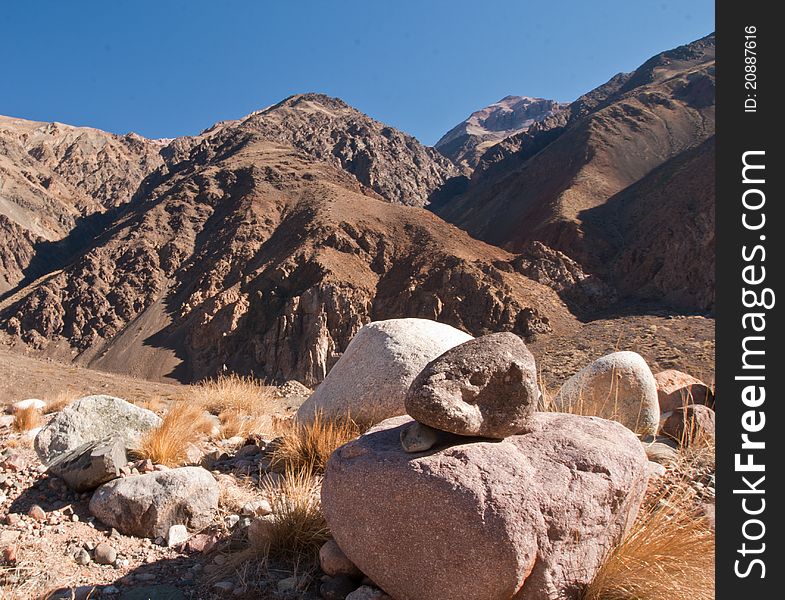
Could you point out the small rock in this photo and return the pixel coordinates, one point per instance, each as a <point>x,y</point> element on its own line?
<point>231,520</point>
<point>153,592</point>
<point>258,508</point>
<point>418,437</point>
<point>248,451</point>
<point>223,586</point>
<point>259,530</point>
<point>659,451</point>
<point>9,555</point>
<point>690,424</point>
<point>177,535</point>
<point>33,403</point>
<point>288,584</point>
<point>367,592</point>
<point>334,562</point>
<point>193,455</point>
<point>656,470</point>
<point>37,513</point>
<point>337,588</point>
<point>82,557</point>
<point>201,542</point>
<point>104,554</point>
<point>91,464</point>
<point>677,390</point>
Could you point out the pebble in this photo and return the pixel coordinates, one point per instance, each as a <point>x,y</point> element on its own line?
<point>223,586</point>
<point>105,554</point>
<point>232,520</point>
<point>82,557</point>
<point>177,535</point>
<point>287,585</point>
<point>37,513</point>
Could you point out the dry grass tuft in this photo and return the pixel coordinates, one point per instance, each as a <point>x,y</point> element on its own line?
<point>297,529</point>
<point>155,404</point>
<point>669,553</point>
<point>309,446</point>
<point>292,534</point>
<point>167,444</point>
<point>235,423</point>
<point>26,419</point>
<point>245,395</point>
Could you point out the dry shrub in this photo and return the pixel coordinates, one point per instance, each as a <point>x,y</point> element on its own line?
<point>26,419</point>
<point>245,395</point>
<point>669,553</point>
<point>307,446</point>
<point>297,529</point>
<point>167,444</point>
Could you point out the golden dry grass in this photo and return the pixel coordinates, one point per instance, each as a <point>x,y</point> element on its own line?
<point>308,446</point>
<point>235,423</point>
<point>245,395</point>
<point>297,529</point>
<point>669,553</point>
<point>26,419</point>
<point>292,534</point>
<point>168,443</point>
<point>155,404</point>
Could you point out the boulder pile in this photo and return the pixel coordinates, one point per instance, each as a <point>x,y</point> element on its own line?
<point>481,496</point>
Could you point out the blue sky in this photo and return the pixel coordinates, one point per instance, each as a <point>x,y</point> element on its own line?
<point>167,68</point>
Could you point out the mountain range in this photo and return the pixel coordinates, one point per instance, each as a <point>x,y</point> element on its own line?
<point>262,244</point>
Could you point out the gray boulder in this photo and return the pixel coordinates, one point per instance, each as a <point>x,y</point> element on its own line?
<point>90,419</point>
<point>370,380</point>
<point>148,505</point>
<point>484,387</point>
<point>619,386</point>
<point>91,464</point>
<point>529,517</point>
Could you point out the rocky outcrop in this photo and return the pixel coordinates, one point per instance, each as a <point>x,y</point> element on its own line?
<point>148,505</point>
<point>465,143</point>
<point>618,386</point>
<point>529,517</point>
<point>55,178</point>
<point>370,381</point>
<point>91,419</point>
<point>484,387</point>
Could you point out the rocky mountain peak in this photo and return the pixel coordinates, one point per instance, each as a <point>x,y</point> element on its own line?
<point>465,143</point>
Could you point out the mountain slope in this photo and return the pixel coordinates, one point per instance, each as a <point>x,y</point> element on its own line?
<point>465,143</point>
<point>539,185</point>
<point>54,176</point>
<point>250,253</point>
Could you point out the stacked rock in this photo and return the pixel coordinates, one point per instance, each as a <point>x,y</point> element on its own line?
<point>485,387</point>
<point>482,496</point>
